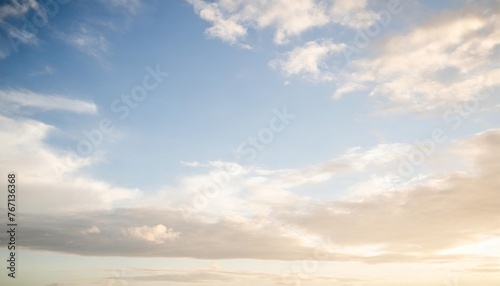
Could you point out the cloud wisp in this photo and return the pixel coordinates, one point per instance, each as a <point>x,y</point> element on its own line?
<point>22,99</point>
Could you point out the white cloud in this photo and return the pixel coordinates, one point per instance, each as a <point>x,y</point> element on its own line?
<point>156,234</point>
<point>225,189</point>
<point>354,160</point>
<point>231,19</point>
<point>288,18</point>
<point>446,61</point>
<point>308,60</point>
<point>191,164</point>
<point>21,99</point>
<point>53,173</point>
<point>225,28</point>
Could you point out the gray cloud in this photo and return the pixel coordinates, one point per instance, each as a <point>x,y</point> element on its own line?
<point>197,238</point>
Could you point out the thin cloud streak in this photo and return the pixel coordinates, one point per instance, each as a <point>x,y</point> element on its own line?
<point>23,98</point>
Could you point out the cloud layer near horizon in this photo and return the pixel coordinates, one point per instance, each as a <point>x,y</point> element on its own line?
<point>410,223</point>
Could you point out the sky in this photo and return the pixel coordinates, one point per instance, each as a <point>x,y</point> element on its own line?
<point>239,142</point>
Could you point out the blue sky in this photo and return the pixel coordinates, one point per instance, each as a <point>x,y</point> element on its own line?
<point>231,141</point>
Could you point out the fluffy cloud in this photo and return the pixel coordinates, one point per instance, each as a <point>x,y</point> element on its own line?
<point>308,59</point>
<point>447,61</point>
<point>225,28</point>
<point>156,234</point>
<point>231,20</point>
<point>51,172</point>
<point>230,189</point>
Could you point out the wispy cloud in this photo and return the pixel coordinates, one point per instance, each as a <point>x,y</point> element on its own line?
<point>207,275</point>
<point>17,8</point>
<point>10,13</point>
<point>45,70</point>
<point>19,100</point>
<point>89,42</point>
<point>131,6</point>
